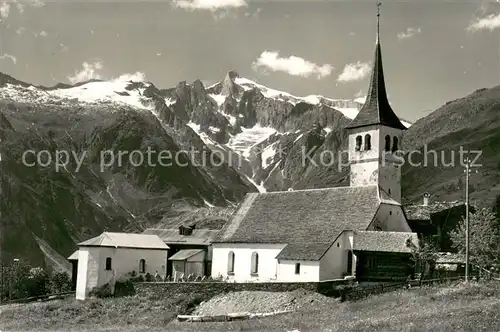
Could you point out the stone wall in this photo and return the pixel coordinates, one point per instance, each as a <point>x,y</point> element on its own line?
<point>209,289</point>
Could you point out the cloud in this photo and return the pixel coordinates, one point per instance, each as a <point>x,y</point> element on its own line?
<point>5,6</point>
<point>354,72</point>
<point>292,65</point>
<point>8,56</point>
<point>4,9</point>
<point>43,33</point>
<point>21,30</point>
<point>88,72</point>
<point>408,33</point>
<point>136,77</point>
<point>490,22</point>
<point>212,5</point>
<point>93,70</point>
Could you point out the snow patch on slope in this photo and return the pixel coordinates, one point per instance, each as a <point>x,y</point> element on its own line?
<point>247,84</point>
<point>268,154</point>
<point>243,142</point>
<point>112,92</point>
<point>259,187</point>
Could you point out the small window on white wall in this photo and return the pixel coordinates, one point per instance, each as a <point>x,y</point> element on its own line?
<point>108,263</point>
<point>297,268</point>
<point>255,263</point>
<point>142,266</point>
<point>230,262</point>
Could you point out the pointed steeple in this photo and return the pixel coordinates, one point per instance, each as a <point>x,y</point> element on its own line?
<point>377,109</point>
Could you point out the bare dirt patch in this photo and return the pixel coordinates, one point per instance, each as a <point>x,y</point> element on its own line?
<point>262,302</point>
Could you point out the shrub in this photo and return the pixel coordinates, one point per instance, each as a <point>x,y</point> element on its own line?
<point>101,291</point>
<point>124,288</point>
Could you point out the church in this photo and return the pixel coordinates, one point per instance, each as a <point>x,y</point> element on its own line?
<point>358,231</point>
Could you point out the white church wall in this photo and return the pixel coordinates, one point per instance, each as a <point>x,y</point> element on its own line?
<point>92,271</point>
<point>390,180</point>
<point>390,218</point>
<point>87,273</point>
<point>309,271</point>
<point>364,174</point>
<point>334,262</point>
<point>268,264</point>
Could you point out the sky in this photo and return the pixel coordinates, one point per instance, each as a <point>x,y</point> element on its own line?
<point>433,51</point>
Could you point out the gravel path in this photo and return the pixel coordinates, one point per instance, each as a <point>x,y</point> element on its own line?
<point>262,302</point>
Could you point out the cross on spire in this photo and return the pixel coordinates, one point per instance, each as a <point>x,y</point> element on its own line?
<point>378,19</point>
<point>376,109</point>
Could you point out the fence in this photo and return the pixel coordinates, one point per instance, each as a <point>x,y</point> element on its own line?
<point>362,292</point>
<point>45,297</point>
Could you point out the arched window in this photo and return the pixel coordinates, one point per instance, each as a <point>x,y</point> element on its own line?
<point>394,144</point>
<point>359,140</point>
<point>142,266</point>
<point>230,262</point>
<point>368,142</point>
<point>108,263</point>
<point>255,263</point>
<point>387,143</point>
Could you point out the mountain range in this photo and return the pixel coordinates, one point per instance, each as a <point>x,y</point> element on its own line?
<point>231,138</point>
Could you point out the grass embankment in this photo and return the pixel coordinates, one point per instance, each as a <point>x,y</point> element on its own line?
<point>461,307</point>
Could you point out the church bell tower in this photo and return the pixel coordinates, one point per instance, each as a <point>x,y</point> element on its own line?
<point>375,136</point>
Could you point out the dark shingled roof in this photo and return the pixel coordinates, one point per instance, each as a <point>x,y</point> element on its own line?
<point>171,236</point>
<point>307,220</point>
<point>384,241</point>
<point>376,109</point>
<point>421,212</point>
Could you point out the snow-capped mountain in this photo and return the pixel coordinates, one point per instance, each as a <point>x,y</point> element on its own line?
<point>260,135</point>
<point>246,121</point>
<point>257,132</point>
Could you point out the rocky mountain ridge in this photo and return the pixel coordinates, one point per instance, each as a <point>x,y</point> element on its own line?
<point>256,137</point>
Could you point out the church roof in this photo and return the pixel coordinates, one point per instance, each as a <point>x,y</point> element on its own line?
<point>376,109</point>
<point>308,221</point>
<point>125,240</point>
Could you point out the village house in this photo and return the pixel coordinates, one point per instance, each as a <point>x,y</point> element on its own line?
<point>434,221</point>
<point>112,256</point>
<point>323,234</point>
<point>190,250</point>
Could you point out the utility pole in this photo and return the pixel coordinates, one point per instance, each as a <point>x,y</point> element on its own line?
<point>467,231</point>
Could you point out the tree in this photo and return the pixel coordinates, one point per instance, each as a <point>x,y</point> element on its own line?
<point>484,238</point>
<point>424,254</point>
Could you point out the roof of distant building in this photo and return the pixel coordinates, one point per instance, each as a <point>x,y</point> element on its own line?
<point>74,256</point>
<point>171,236</point>
<point>450,258</point>
<point>424,212</point>
<point>125,240</point>
<point>183,255</point>
<point>384,241</point>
